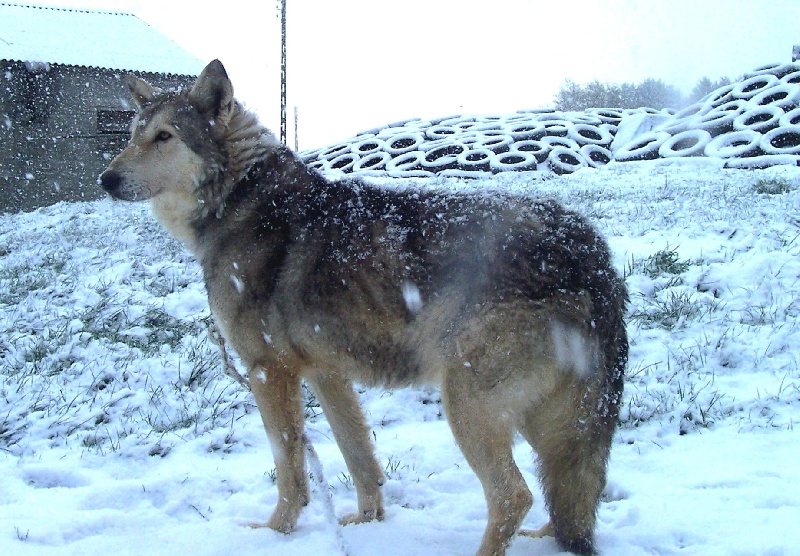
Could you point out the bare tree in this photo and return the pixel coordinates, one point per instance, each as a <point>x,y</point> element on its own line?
<point>651,93</point>
<point>654,93</point>
<point>705,86</point>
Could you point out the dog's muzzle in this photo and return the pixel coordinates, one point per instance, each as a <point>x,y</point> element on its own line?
<point>111,182</point>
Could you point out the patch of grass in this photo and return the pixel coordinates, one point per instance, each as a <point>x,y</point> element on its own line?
<point>682,391</point>
<point>669,305</point>
<point>89,356</point>
<point>690,405</point>
<point>660,263</point>
<point>346,480</point>
<point>311,407</point>
<point>393,467</point>
<point>98,404</point>
<point>671,309</point>
<point>112,320</point>
<point>772,186</point>
<point>678,389</point>
<point>30,275</point>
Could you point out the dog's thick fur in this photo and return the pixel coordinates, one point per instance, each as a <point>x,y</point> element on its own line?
<point>510,303</point>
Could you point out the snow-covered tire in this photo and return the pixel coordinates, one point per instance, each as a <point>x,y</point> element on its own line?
<point>694,109</point>
<point>459,123</point>
<point>557,141</point>
<point>514,161</point>
<point>791,78</point>
<point>763,161</point>
<point>403,143</point>
<point>585,134</point>
<point>691,142</point>
<point>426,146</point>
<point>595,155</point>
<point>406,162</point>
<point>367,146</point>
<point>524,131</point>
<point>606,115</point>
<point>496,141</point>
<point>343,162</point>
<point>442,157</point>
<point>782,140</point>
<point>720,119</point>
<point>372,161</point>
<point>644,147</point>
<point>776,70</point>
<point>539,149</point>
<point>475,160</point>
<point>751,87</point>
<point>555,125</point>
<point>734,144</point>
<point>586,118</point>
<point>441,131</point>
<point>316,165</point>
<point>784,96</point>
<point>334,151</point>
<point>720,96</point>
<point>760,119</point>
<point>792,117</point>
<point>562,160</point>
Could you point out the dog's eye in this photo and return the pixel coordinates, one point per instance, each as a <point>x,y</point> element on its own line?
<point>163,136</point>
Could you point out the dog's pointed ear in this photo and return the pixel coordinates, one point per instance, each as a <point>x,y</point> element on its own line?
<point>141,91</point>
<point>212,93</point>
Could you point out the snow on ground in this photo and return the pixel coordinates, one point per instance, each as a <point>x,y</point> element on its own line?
<point>120,434</point>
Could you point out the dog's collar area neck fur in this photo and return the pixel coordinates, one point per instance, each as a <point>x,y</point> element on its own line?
<point>246,141</point>
<point>247,144</point>
<point>217,194</point>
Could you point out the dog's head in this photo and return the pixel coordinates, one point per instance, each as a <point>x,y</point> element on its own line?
<point>176,141</point>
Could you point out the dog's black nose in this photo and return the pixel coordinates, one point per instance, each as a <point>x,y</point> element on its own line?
<point>110,180</point>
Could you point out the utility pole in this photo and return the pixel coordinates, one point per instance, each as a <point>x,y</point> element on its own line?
<point>283,71</point>
<point>296,137</point>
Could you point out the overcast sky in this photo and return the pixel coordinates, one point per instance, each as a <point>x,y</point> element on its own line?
<point>359,64</point>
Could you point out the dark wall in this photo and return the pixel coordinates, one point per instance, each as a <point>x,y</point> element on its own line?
<point>59,128</point>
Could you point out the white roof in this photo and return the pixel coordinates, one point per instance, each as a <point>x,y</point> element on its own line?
<point>92,38</point>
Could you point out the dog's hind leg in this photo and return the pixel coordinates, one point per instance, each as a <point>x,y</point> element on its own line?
<point>341,408</point>
<point>278,396</point>
<point>486,441</point>
<point>572,443</point>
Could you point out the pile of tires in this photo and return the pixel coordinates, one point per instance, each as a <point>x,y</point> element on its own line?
<point>754,122</point>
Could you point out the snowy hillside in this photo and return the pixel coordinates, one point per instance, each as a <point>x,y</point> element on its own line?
<point>120,434</point>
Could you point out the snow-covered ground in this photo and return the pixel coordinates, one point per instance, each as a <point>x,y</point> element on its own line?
<point>120,434</point>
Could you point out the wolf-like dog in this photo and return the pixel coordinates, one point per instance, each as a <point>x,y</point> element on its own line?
<point>508,302</point>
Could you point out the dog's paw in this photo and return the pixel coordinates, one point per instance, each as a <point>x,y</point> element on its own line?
<point>278,527</point>
<point>546,531</point>
<point>362,517</point>
<point>283,520</point>
<point>258,525</point>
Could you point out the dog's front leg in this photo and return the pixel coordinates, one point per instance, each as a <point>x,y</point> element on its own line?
<point>278,396</point>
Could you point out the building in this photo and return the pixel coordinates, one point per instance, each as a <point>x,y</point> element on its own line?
<point>64,106</point>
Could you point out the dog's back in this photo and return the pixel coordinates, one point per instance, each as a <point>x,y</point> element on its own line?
<point>336,250</point>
